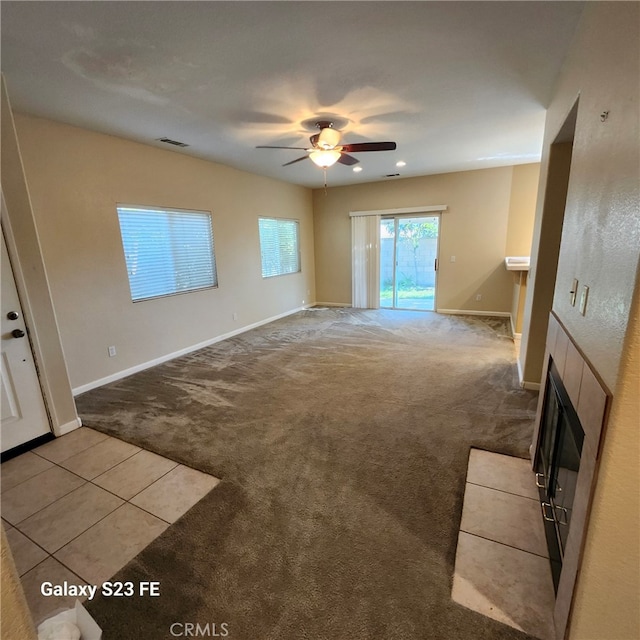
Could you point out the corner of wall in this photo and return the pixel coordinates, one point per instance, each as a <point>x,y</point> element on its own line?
<point>24,247</point>
<point>15,621</point>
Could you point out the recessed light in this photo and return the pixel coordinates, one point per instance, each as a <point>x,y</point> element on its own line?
<point>357,169</point>
<point>401,163</point>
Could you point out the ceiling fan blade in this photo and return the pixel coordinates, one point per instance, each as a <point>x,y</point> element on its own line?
<point>369,146</point>
<point>347,159</point>
<point>263,146</point>
<point>286,164</point>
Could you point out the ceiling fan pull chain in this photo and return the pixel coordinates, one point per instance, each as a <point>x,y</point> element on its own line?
<point>325,180</point>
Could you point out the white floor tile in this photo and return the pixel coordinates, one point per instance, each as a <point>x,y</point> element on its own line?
<point>106,547</point>
<point>135,474</point>
<point>68,445</point>
<point>506,584</point>
<point>34,494</point>
<point>26,554</point>
<point>175,493</point>
<point>70,516</point>
<point>99,458</point>
<point>22,468</point>
<point>504,517</point>
<point>506,473</point>
<point>42,607</point>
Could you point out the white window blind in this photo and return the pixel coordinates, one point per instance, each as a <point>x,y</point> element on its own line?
<point>365,261</point>
<point>279,246</point>
<point>167,251</point>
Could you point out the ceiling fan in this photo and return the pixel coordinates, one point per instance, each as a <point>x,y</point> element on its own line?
<point>326,149</point>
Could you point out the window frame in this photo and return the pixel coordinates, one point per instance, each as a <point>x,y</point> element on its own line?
<point>298,249</point>
<point>150,209</point>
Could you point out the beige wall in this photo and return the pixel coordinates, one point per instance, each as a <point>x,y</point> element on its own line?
<point>522,209</point>
<point>600,246</point>
<point>601,243</point>
<point>601,235</point>
<point>608,590</point>
<point>544,260</point>
<point>76,177</point>
<point>32,280</point>
<point>486,210</point>
<point>522,213</point>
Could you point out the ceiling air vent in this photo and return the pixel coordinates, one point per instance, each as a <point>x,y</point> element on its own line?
<point>175,143</point>
<point>392,175</point>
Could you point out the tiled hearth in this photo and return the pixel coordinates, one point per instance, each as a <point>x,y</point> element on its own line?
<point>82,506</point>
<point>502,568</point>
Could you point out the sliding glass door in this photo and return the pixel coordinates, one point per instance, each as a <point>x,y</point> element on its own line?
<point>408,262</point>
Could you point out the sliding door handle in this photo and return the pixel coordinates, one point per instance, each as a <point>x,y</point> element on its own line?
<point>563,517</point>
<point>544,506</point>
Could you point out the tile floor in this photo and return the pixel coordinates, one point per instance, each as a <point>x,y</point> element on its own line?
<point>502,567</point>
<point>80,507</point>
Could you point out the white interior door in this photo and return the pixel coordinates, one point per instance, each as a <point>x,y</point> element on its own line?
<point>24,416</point>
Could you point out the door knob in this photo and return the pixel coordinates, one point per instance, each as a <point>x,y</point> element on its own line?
<point>13,315</point>
<point>17,333</point>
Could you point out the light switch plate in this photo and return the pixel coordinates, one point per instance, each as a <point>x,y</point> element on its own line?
<point>583,300</point>
<point>574,292</point>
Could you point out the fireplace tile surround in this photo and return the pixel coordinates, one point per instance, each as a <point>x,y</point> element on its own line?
<point>497,572</point>
<point>502,567</point>
<point>591,400</point>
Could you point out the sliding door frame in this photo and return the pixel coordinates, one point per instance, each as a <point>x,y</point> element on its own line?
<point>396,218</point>
<point>427,211</point>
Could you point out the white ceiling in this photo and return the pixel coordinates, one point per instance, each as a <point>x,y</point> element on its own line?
<point>458,85</point>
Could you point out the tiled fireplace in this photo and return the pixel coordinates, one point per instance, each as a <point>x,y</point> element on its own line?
<point>519,548</point>
<point>571,415</point>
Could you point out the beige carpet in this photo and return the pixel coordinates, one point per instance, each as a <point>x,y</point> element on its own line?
<point>342,439</point>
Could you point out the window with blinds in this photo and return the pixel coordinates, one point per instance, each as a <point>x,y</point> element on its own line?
<point>279,246</point>
<point>167,251</point>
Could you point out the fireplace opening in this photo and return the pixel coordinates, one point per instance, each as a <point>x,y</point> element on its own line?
<point>558,463</point>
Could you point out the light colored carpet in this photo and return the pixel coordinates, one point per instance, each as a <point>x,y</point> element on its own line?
<point>342,439</point>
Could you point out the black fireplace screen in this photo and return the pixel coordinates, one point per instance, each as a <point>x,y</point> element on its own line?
<point>559,451</point>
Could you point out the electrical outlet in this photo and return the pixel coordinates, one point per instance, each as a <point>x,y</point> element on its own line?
<point>234,315</point>
<point>453,258</point>
<point>112,351</point>
<point>479,296</point>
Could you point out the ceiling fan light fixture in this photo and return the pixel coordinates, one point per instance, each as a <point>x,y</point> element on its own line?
<point>328,138</point>
<point>325,158</point>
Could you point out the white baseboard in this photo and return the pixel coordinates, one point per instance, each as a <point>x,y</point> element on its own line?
<point>530,386</point>
<point>467,312</point>
<point>331,304</point>
<point>520,375</point>
<point>60,430</point>
<point>176,354</point>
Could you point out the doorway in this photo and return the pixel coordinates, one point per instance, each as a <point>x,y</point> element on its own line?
<point>409,262</point>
